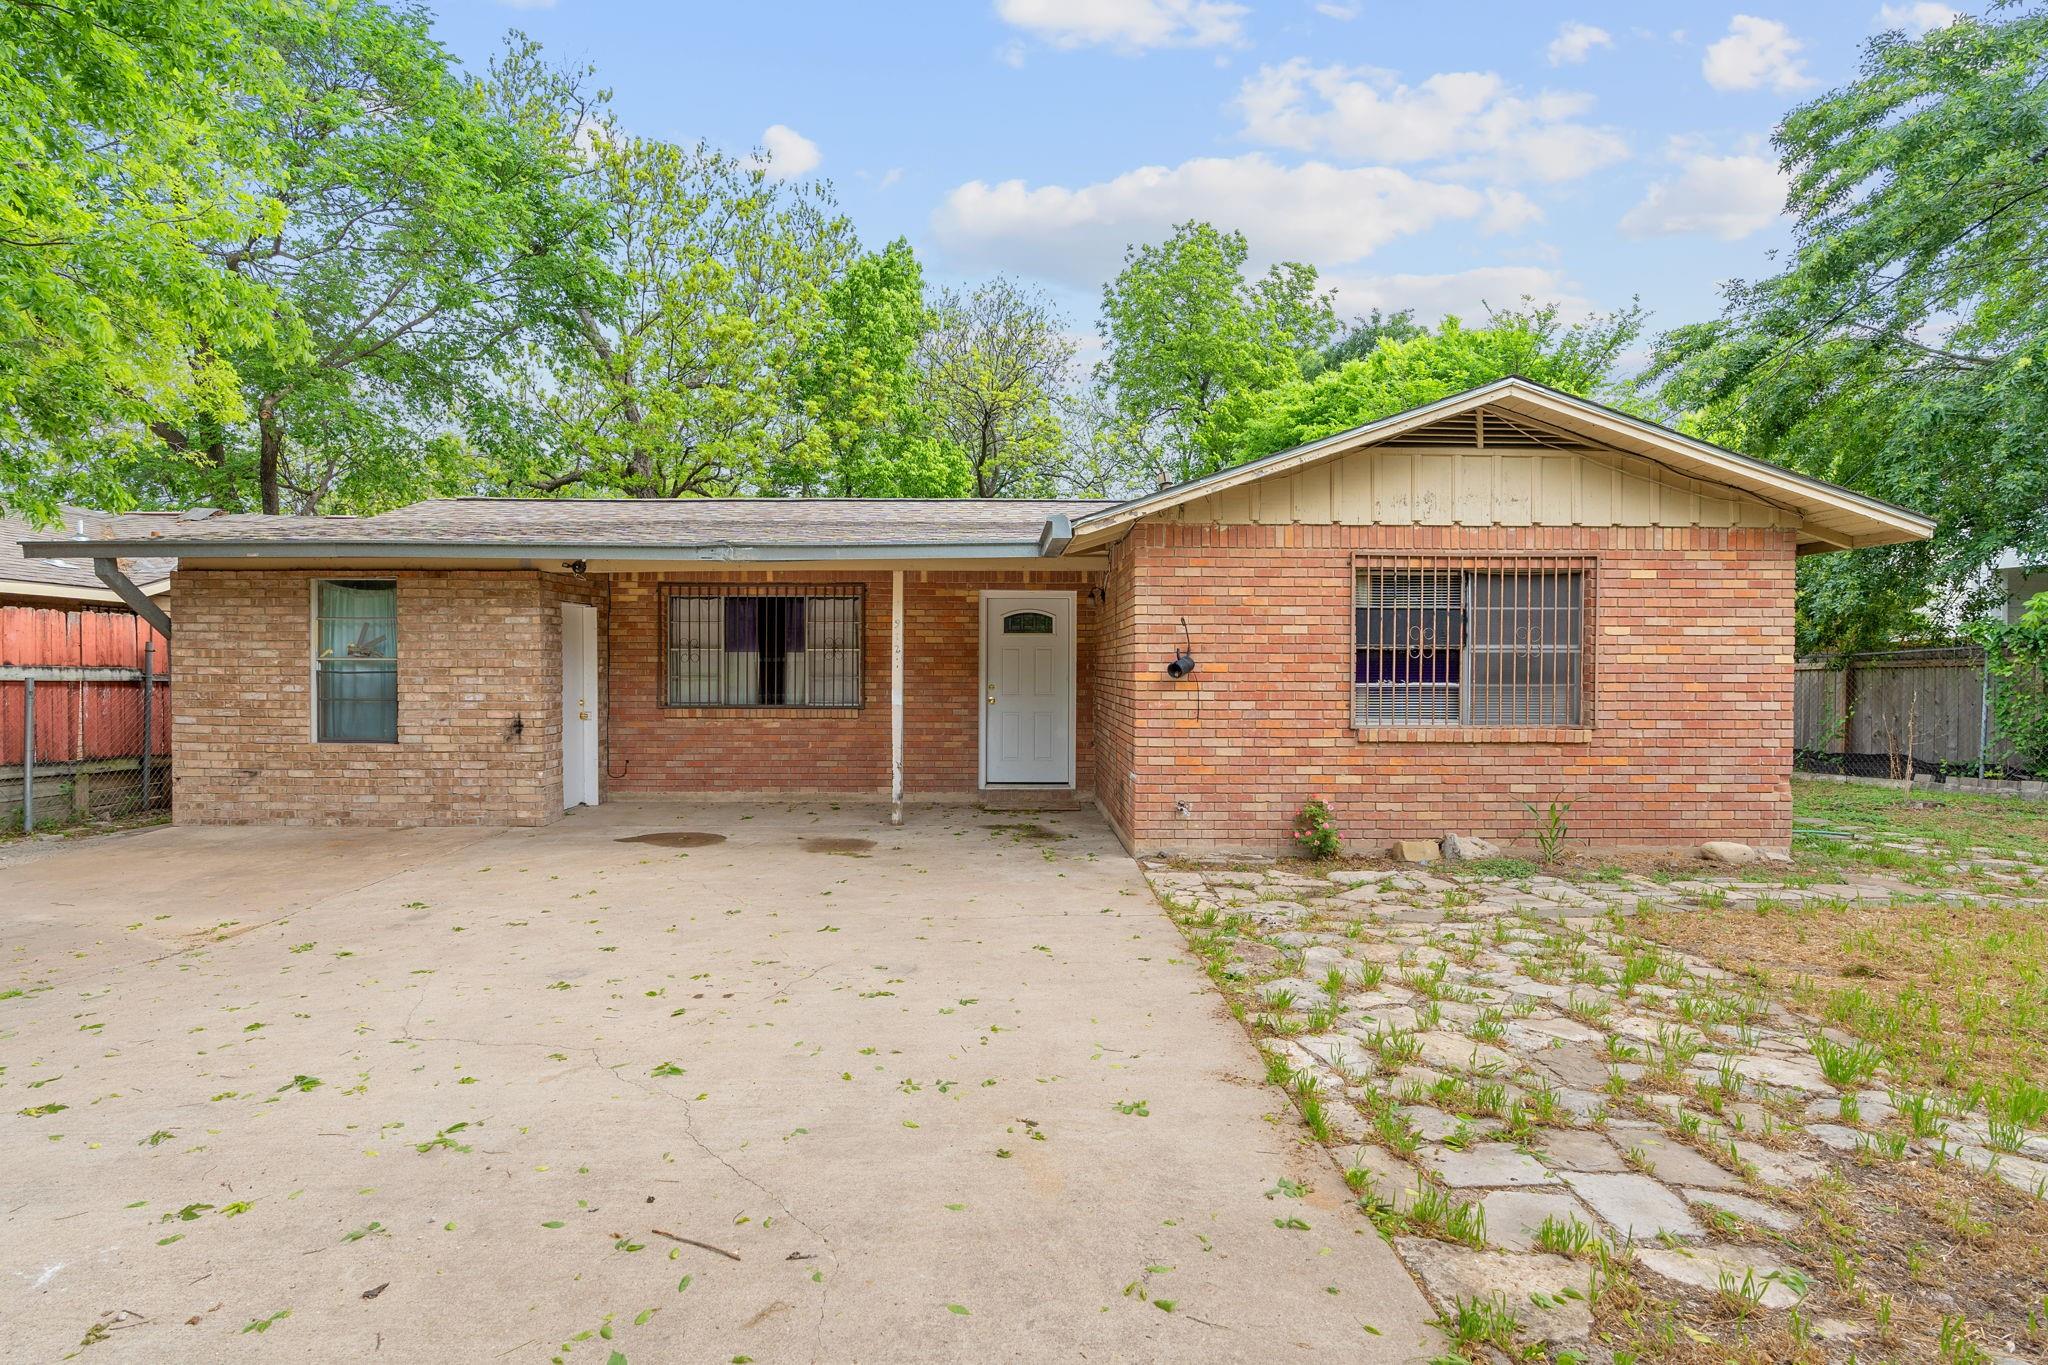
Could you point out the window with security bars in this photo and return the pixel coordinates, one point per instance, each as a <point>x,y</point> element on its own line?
<point>773,647</point>
<point>1464,641</point>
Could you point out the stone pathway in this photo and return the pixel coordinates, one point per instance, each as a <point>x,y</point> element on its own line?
<point>1521,1087</point>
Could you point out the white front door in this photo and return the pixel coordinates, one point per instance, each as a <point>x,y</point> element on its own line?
<point>1027,684</point>
<point>579,705</point>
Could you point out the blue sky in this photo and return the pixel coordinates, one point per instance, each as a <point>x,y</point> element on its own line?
<point>1420,155</point>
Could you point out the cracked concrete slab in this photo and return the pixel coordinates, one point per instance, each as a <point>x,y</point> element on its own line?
<point>437,1094</point>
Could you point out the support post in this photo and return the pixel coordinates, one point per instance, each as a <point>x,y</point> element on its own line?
<point>896,696</point>
<point>28,755</point>
<point>148,695</point>
<point>108,571</point>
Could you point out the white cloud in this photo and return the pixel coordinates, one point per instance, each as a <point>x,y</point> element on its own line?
<point>1127,25</point>
<point>1575,42</point>
<point>1011,54</point>
<point>1916,18</point>
<point>1312,212</point>
<point>1465,293</point>
<point>1728,197</point>
<point>789,153</point>
<point>1342,13</point>
<point>1756,53</point>
<point>1474,119</point>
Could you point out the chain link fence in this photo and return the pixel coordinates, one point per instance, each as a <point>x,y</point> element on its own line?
<point>83,745</point>
<point>1898,713</point>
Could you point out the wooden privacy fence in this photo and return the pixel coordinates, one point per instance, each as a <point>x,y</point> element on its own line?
<point>1868,714</point>
<point>85,726</point>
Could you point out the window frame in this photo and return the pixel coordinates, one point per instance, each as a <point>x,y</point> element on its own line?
<point>1585,563</point>
<point>855,592</point>
<point>313,660</point>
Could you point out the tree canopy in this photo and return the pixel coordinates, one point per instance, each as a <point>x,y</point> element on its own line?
<point>1185,330</point>
<point>290,255</point>
<point>1901,349</point>
<point>1409,365</point>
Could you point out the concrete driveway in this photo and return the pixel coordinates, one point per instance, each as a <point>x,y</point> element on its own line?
<point>493,1095</point>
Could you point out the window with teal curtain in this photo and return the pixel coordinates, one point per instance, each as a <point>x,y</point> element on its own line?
<point>355,657</point>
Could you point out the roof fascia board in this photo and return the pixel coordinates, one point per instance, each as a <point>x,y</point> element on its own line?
<point>21,587</point>
<point>713,553</point>
<point>1090,525</point>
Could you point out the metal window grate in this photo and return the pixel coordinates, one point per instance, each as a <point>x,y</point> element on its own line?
<point>765,646</point>
<point>1464,640</point>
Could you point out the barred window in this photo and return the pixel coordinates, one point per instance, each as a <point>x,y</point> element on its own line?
<point>1465,641</point>
<point>764,647</point>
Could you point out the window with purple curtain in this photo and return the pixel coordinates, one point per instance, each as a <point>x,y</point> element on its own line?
<point>763,648</point>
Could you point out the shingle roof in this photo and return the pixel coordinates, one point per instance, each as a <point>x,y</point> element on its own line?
<point>595,524</point>
<point>79,522</point>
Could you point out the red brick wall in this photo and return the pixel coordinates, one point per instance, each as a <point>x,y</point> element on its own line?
<point>477,653</point>
<point>1690,738</point>
<point>654,748</point>
<point>1116,661</point>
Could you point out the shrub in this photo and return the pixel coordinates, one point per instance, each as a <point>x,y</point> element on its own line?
<point>1315,834</point>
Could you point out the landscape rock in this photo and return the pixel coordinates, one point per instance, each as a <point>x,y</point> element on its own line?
<point>1463,847</point>
<point>1489,1164</point>
<point>1727,851</point>
<point>1709,1269</point>
<point>1454,1272</point>
<point>1514,1216</point>
<point>1742,1206</point>
<point>1636,1205</point>
<point>1414,851</point>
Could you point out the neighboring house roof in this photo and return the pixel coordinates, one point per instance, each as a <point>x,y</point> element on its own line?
<point>1831,516</point>
<point>69,579</point>
<point>770,529</point>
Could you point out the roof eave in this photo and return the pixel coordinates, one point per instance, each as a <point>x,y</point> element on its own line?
<point>1897,524</point>
<point>413,549</point>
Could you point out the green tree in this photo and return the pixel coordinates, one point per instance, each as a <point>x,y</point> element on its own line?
<point>1184,331</point>
<point>1399,374</point>
<point>992,372</point>
<point>1903,348</point>
<point>129,140</point>
<point>1365,334</point>
<point>679,370</point>
<point>857,382</point>
<point>413,257</point>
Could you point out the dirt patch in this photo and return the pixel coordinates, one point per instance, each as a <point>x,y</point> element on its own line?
<point>853,848</point>
<point>1028,833</point>
<point>1947,990</point>
<point>679,838</point>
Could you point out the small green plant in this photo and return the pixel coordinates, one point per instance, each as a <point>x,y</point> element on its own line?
<point>1565,1236</point>
<point>1845,1064</point>
<point>1450,1218</point>
<point>1478,1321</point>
<point>1551,832</point>
<point>1315,833</point>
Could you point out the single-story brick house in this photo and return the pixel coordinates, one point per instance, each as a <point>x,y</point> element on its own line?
<point>1432,622</point>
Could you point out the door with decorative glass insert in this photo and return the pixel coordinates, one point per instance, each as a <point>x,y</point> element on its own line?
<point>1027,687</point>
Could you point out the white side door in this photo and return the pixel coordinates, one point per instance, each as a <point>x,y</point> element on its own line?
<point>579,705</point>
<point>1027,683</point>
